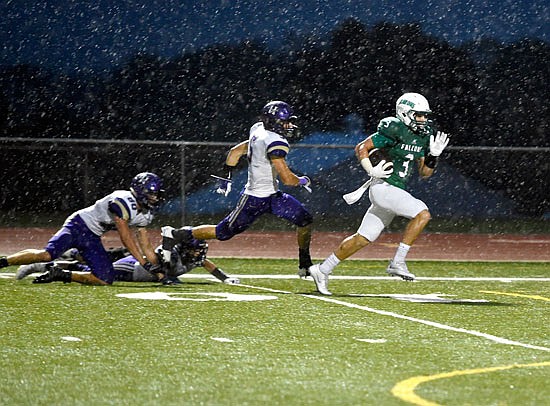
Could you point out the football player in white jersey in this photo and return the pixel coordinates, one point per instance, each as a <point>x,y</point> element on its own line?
<point>266,150</point>
<point>120,210</point>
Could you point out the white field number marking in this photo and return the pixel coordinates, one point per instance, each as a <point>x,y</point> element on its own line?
<point>196,297</point>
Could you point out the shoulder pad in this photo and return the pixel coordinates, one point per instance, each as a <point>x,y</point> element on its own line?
<point>278,148</point>
<point>120,208</point>
<point>390,125</point>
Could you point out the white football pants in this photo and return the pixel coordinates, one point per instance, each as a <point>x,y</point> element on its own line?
<point>387,201</point>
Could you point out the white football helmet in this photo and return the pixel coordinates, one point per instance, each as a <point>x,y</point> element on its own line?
<point>408,105</point>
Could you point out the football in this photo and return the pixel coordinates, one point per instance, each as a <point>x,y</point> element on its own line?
<point>376,155</point>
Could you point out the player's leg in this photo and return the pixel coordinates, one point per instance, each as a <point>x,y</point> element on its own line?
<point>403,204</point>
<point>320,272</point>
<point>287,207</point>
<point>373,223</point>
<point>303,235</point>
<point>375,220</point>
<point>24,257</point>
<point>99,261</point>
<point>204,232</point>
<point>25,270</point>
<point>415,227</point>
<point>350,246</point>
<point>101,266</point>
<point>75,234</point>
<point>56,246</point>
<point>248,209</point>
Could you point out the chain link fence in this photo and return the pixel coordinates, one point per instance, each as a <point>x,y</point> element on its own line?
<point>43,178</point>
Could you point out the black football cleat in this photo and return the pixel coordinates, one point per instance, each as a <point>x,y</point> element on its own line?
<point>55,274</point>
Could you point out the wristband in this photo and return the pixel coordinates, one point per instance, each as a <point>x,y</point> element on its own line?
<point>431,161</point>
<point>228,169</point>
<point>367,165</point>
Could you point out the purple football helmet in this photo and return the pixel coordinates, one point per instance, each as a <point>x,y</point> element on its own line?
<point>147,189</point>
<point>275,115</point>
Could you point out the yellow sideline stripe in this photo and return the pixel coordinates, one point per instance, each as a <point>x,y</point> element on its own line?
<point>404,390</point>
<point>536,297</point>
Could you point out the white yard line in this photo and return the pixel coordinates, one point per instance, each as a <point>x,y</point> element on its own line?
<point>193,275</point>
<point>349,277</point>
<point>490,337</point>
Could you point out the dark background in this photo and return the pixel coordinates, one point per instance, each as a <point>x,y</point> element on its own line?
<point>485,91</point>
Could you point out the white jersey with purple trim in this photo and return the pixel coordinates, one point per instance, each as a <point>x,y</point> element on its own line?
<point>99,217</point>
<point>262,177</point>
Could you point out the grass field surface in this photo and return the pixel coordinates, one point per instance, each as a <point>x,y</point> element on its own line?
<point>462,334</point>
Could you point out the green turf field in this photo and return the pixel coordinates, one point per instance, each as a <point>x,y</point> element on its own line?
<point>463,334</point>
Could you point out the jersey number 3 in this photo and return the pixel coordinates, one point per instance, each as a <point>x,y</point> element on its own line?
<point>406,162</point>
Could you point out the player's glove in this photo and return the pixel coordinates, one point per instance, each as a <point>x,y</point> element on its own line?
<point>232,281</point>
<point>438,142</point>
<point>171,281</point>
<point>382,170</point>
<point>224,185</point>
<point>152,268</point>
<point>305,182</point>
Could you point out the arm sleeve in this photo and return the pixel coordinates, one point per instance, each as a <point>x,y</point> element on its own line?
<point>119,208</point>
<point>278,149</point>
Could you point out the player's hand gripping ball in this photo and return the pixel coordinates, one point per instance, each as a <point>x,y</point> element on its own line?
<point>382,166</point>
<point>377,155</point>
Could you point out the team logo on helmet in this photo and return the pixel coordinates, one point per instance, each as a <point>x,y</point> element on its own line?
<point>409,106</point>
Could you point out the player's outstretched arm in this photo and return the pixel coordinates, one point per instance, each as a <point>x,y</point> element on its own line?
<point>218,273</point>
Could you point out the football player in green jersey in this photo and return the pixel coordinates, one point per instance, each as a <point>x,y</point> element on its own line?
<point>405,139</point>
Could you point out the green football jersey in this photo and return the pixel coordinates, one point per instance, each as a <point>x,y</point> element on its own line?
<point>404,147</point>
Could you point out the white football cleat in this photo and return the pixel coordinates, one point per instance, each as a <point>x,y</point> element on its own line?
<point>25,270</point>
<point>320,279</point>
<point>400,269</point>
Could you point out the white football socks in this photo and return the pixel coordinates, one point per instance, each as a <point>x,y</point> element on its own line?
<point>401,252</point>
<point>329,264</point>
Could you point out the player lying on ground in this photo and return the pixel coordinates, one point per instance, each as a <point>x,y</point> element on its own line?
<point>128,269</point>
<point>406,139</point>
<point>123,210</point>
